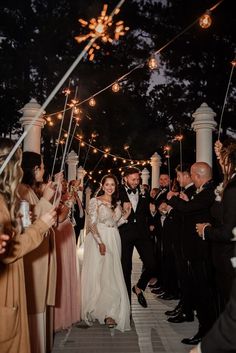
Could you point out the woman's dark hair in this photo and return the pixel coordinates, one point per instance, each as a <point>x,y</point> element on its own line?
<point>228,156</point>
<point>115,195</point>
<point>30,160</point>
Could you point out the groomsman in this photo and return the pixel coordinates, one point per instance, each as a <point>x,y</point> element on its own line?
<point>135,233</point>
<point>196,252</point>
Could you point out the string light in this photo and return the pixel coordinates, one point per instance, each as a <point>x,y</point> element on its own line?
<point>92,102</point>
<point>205,20</point>
<point>115,87</point>
<point>152,63</point>
<point>208,12</point>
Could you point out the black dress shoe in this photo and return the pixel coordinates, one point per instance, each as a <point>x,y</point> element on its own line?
<point>193,340</point>
<point>157,291</point>
<point>166,296</point>
<point>181,317</point>
<point>141,298</point>
<point>154,285</point>
<point>173,312</point>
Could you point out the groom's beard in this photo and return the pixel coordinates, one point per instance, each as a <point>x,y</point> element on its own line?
<point>130,187</point>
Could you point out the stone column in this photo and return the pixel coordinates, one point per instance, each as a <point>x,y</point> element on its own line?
<point>80,176</point>
<point>145,175</point>
<point>204,124</point>
<point>156,164</point>
<point>72,161</point>
<point>32,141</point>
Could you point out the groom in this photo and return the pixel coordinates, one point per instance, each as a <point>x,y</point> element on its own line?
<point>134,233</point>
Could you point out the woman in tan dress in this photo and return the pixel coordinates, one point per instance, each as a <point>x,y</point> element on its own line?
<point>14,333</point>
<point>40,265</point>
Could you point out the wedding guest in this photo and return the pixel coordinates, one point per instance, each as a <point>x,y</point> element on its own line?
<point>3,242</point>
<point>14,332</point>
<point>198,265</point>
<point>40,264</point>
<point>220,234</point>
<point>104,294</point>
<point>67,304</point>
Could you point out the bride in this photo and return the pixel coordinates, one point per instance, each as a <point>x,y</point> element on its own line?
<point>104,293</point>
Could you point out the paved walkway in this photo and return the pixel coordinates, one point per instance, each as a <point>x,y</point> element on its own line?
<point>151,332</point>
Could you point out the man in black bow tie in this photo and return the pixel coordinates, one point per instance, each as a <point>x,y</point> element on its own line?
<point>134,233</point>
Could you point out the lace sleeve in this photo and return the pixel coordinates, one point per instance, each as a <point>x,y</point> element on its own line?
<point>92,219</point>
<point>118,215</point>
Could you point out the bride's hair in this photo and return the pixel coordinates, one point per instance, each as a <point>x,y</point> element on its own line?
<point>10,179</point>
<point>115,195</point>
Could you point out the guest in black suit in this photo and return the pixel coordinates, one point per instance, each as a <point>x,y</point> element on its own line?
<point>135,232</point>
<point>184,310</point>
<point>196,251</point>
<point>222,338</point>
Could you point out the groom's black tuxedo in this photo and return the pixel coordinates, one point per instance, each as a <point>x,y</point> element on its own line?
<point>136,233</point>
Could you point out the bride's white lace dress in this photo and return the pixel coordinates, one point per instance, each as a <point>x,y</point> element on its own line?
<point>104,292</point>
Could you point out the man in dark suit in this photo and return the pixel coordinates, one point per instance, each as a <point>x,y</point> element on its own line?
<point>184,310</point>
<point>135,232</point>
<point>221,338</point>
<point>196,251</point>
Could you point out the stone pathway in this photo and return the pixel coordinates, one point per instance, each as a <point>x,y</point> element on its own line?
<point>151,332</point>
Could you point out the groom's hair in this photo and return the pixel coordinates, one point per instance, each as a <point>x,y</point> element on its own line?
<point>130,171</point>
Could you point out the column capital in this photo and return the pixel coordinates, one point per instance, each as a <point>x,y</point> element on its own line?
<point>29,111</point>
<point>72,158</point>
<point>204,118</point>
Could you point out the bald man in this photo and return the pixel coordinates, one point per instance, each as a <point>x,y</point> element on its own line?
<point>197,266</point>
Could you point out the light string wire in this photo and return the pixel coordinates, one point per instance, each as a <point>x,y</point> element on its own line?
<point>54,91</point>
<point>121,78</point>
<point>225,99</point>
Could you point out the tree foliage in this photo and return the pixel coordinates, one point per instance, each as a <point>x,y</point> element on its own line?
<point>37,47</point>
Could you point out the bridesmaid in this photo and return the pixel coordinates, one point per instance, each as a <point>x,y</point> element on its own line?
<point>67,307</point>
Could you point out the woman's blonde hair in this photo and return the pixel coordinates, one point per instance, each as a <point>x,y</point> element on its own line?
<point>10,178</point>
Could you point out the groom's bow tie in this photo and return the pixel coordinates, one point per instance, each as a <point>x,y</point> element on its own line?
<point>131,190</point>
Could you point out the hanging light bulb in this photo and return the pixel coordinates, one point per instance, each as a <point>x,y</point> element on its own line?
<point>115,87</point>
<point>92,102</point>
<point>59,116</point>
<point>152,63</point>
<point>205,20</point>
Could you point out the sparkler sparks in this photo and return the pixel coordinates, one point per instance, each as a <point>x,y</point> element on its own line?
<point>102,27</point>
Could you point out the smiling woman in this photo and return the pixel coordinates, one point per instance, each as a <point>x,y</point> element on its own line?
<point>104,294</point>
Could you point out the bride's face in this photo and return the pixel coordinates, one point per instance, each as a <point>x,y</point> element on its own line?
<point>109,186</point>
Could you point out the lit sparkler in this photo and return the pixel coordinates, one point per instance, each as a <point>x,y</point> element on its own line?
<point>102,27</point>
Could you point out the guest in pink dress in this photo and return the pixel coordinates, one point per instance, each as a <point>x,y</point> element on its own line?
<point>67,308</point>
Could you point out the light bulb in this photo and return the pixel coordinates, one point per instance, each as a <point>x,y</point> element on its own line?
<point>205,20</point>
<point>92,102</point>
<point>152,63</point>
<point>115,87</point>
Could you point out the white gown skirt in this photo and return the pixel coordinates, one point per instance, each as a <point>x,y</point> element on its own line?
<point>104,292</point>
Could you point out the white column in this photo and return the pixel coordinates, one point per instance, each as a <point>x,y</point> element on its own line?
<point>156,164</point>
<point>204,124</point>
<point>80,176</point>
<point>72,161</point>
<point>145,175</point>
<point>32,141</point>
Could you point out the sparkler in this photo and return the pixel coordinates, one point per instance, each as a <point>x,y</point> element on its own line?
<point>103,28</point>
